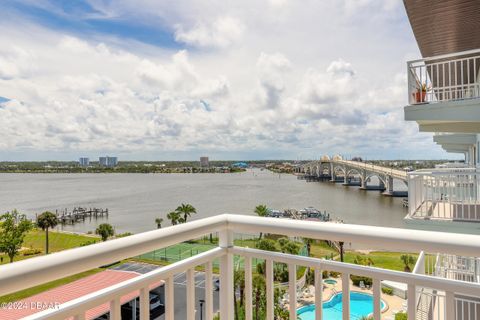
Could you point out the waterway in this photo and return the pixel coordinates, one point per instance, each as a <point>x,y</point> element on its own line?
<point>135,200</point>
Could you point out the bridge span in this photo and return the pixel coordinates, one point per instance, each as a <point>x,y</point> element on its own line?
<point>352,173</point>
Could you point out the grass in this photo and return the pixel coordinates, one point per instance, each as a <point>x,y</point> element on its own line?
<point>58,241</point>
<point>384,260</point>
<point>46,286</point>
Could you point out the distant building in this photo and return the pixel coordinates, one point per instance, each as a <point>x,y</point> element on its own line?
<point>204,162</point>
<point>243,165</point>
<point>84,162</point>
<point>108,161</point>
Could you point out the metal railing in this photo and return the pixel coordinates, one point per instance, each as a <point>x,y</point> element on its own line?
<point>444,78</point>
<point>24,274</point>
<point>444,194</point>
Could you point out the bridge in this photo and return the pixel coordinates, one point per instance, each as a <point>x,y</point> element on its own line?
<point>352,173</point>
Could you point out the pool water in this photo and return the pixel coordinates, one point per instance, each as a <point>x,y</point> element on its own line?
<point>361,304</point>
<point>330,281</point>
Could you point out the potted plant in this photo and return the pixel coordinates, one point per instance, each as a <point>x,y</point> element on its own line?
<point>421,93</point>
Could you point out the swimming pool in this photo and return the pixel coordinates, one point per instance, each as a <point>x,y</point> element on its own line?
<point>330,281</point>
<point>361,304</point>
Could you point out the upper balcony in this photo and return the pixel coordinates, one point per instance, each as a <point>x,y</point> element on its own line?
<point>447,194</point>
<point>459,299</point>
<point>444,92</point>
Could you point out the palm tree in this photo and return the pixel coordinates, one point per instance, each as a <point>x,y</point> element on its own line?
<point>407,261</point>
<point>105,230</point>
<point>187,210</point>
<point>174,217</point>
<point>341,243</point>
<point>262,211</point>
<point>159,222</point>
<point>47,220</point>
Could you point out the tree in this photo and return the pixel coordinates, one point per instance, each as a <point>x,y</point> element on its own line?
<point>341,243</point>
<point>47,220</point>
<point>259,296</point>
<point>175,217</point>
<point>407,261</point>
<point>239,282</point>
<point>13,228</point>
<point>105,230</point>
<point>262,211</point>
<point>187,210</point>
<point>363,260</point>
<point>159,222</point>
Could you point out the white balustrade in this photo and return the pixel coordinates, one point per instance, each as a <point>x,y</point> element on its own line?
<point>456,293</point>
<point>444,78</point>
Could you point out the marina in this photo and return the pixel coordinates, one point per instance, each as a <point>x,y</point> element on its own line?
<point>79,214</point>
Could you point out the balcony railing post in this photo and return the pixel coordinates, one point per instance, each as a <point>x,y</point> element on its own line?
<point>346,296</point>
<point>145,304</point>
<point>169,299</point>
<point>248,288</point>
<point>270,291</point>
<point>318,293</point>
<point>412,301</point>
<point>209,290</point>
<point>190,275</point>
<point>292,290</point>
<point>115,309</point>
<point>449,305</point>
<point>377,306</point>
<point>226,276</point>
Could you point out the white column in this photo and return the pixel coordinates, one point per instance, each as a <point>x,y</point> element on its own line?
<point>145,303</point>
<point>377,306</point>
<point>412,301</point>
<point>115,309</point>
<point>248,288</point>
<point>190,275</point>
<point>292,290</point>
<point>169,299</point>
<point>346,296</point>
<point>270,292</point>
<point>209,290</point>
<point>226,276</point>
<point>318,294</point>
<point>449,305</point>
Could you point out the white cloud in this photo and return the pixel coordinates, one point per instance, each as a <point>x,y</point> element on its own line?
<point>221,32</point>
<point>264,75</point>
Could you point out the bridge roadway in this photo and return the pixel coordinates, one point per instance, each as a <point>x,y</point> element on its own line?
<point>336,167</point>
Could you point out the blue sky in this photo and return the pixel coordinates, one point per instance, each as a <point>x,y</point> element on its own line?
<point>162,80</point>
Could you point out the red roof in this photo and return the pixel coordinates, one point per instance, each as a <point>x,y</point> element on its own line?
<point>71,291</point>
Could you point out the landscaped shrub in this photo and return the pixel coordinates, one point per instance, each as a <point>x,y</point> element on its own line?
<point>31,252</point>
<point>388,291</point>
<point>87,243</point>
<point>334,274</point>
<point>357,279</point>
<point>401,316</point>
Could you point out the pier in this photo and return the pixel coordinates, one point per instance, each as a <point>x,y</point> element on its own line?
<point>79,214</point>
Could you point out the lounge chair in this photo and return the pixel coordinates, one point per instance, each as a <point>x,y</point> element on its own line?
<point>362,285</point>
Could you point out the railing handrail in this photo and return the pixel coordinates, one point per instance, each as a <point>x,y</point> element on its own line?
<point>445,171</point>
<point>30,272</point>
<point>445,56</point>
<point>24,274</point>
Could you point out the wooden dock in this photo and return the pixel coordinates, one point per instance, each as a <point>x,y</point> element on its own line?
<point>65,216</point>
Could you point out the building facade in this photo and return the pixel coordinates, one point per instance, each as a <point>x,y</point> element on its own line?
<point>108,161</point>
<point>84,162</point>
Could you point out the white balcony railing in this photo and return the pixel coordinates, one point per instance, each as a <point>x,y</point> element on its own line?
<point>444,78</point>
<point>27,273</point>
<point>444,194</point>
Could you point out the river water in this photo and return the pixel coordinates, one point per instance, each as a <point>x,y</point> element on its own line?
<point>135,200</point>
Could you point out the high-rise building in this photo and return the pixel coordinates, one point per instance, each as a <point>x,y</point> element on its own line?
<point>108,161</point>
<point>84,162</point>
<point>204,162</point>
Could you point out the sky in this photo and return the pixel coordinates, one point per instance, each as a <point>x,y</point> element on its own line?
<point>175,80</point>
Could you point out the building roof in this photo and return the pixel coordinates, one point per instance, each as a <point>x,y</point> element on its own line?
<point>444,26</point>
<point>73,291</point>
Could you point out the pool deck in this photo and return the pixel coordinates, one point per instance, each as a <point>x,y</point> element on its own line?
<point>394,304</point>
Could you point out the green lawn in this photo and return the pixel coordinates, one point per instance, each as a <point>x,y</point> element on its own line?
<point>35,239</point>
<point>384,260</point>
